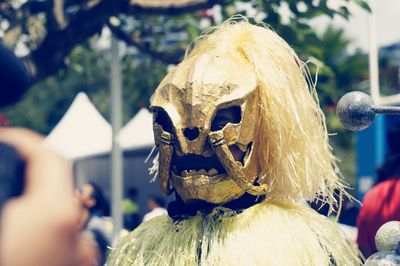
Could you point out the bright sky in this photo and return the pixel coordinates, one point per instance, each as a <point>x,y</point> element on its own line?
<point>387,23</point>
<point>387,20</point>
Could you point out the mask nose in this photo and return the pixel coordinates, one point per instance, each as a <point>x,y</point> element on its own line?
<point>191,133</point>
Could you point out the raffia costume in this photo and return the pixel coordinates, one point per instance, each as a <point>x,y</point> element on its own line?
<point>240,90</point>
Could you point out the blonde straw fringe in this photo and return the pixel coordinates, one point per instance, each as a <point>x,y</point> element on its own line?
<point>269,233</point>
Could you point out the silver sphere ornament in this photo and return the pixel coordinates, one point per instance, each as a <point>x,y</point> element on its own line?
<point>356,110</point>
<point>383,258</point>
<point>388,236</point>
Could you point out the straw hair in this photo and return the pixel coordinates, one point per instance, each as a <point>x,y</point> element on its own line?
<point>292,141</point>
<point>269,233</point>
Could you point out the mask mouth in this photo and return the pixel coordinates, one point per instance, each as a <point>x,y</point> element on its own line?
<point>196,165</point>
<point>191,165</point>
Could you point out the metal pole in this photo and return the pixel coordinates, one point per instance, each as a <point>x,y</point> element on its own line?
<point>379,126</point>
<point>373,53</point>
<point>116,154</point>
<point>387,110</point>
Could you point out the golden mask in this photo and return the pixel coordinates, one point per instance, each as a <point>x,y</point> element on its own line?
<point>236,116</point>
<point>205,117</point>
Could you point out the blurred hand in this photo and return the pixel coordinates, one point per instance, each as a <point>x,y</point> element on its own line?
<point>41,226</point>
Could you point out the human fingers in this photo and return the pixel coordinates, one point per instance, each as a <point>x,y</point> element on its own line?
<point>45,171</point>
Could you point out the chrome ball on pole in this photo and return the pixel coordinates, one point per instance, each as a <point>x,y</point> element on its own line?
<point>356,110</point>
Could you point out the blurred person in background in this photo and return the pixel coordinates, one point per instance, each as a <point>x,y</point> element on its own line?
<point>40,227</point>
<point>93,217</point>
<point>156,206</point>
<point>92,199</point>
<point>382,203</point>
<point>131,209</point>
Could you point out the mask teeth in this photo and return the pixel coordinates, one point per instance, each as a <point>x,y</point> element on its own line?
<point>211,172</point>
<point>202,172</point>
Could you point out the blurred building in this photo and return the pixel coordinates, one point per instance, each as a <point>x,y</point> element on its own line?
<point>371,143</point>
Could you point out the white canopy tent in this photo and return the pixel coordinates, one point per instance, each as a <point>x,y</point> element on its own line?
<point>138,132</point>
<point>82,131</point>
<point>84,137</point>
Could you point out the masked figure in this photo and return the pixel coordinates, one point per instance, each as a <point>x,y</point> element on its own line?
<point>242,143</point>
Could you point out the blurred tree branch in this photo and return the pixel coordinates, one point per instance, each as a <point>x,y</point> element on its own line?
<point>51,29</point>
<point>68,23</point>
<point>168,7</point>
<point>173,57</point>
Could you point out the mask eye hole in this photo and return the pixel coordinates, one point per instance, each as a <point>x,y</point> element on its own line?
<point>162,118</point>
<point>224,116</point>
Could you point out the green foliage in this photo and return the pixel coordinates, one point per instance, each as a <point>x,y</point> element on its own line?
<point>339,73</point>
